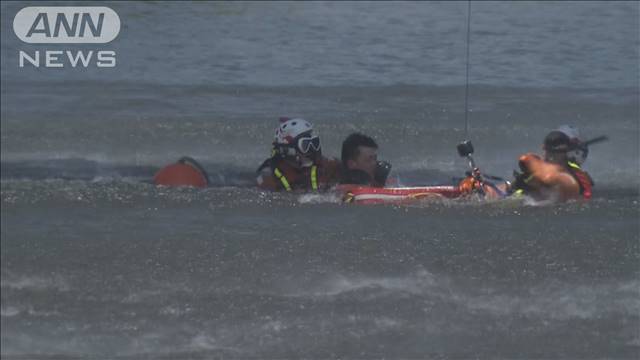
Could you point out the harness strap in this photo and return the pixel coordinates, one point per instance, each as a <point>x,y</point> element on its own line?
<point>287,185</point>
<point>266,164</point>
<point>314,177</point>
<point>282,178</point>
<point>573,165</point>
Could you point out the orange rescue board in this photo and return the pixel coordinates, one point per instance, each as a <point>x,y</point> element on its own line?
<point>373,195</point>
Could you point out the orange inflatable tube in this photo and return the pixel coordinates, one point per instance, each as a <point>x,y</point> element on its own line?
<point>180,174</point>
<point>549,180</point>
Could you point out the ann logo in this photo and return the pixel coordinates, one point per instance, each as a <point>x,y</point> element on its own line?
<point>41,25</point>
<point>66,24</point>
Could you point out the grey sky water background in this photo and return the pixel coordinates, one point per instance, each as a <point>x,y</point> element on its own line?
<point>522,44</point>
<point>97,263</point>
<point>209,79</point>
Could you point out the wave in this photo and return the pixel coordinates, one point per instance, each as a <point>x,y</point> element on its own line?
<point>220,174</point>
<point>94,171</point>
<point>11,311</point>
<point>34,283</point>
<point>46,173</point>
<point>551,299</point>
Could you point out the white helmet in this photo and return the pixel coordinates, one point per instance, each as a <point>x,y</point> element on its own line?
<point>290,129</point>
<point>294,138</point>
<point>577,151</point>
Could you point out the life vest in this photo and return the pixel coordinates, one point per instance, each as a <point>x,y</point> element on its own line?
<point>286,182</point>
<point>569,181</point>
<point>583,179</point>
<point>317,177</point>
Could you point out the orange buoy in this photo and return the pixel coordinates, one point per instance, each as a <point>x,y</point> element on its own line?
<point>182,173</point>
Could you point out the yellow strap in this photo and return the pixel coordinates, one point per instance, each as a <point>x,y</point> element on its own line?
<point>573,165</point>
<point>282,179</point>
<point>314,177</point>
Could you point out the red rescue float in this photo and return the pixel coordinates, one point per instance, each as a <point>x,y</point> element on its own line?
<point>373,195</point>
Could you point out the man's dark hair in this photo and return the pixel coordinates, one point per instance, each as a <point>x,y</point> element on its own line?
<point>557,141</point>
<point>351,143</point>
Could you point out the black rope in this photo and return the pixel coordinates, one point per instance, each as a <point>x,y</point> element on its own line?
<point>466,90</point>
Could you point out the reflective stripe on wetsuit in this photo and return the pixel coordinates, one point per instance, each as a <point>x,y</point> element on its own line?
<point>285,182</point>
<point>282,179</point>
<point>314,177</point>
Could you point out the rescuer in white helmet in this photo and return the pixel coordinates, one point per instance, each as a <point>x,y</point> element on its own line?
<point>296,161</point>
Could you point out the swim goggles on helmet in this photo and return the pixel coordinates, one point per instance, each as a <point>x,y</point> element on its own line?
<point>308,144</point>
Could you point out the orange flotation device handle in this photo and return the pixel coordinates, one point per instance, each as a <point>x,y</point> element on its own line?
<point>185,172</point>
<point>474,185</point>
<point>546,178</point>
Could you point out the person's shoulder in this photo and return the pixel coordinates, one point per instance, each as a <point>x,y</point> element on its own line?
<point>331,165</point>
<point>330,168</point>
<point>329,162</point>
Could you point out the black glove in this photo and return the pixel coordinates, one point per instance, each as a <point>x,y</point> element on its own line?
<point>520,181</point>
<point>381,174</point>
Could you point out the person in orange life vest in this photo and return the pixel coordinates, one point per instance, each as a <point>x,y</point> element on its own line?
<point>296,161</point>
<point>564,153</point>
<point>360,165</point>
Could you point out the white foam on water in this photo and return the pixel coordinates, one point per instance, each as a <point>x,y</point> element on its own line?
<point>203,342</point>
<point>241,232</point>
<point>334,285</point>
<point>157,290</point>
<point>274,325</point>
<point>554,300</point>
<point>563,301</point>
<point>635,341</point>
<point>327,198</point>
<point>386,323</point>
<point>176,310</point>
<point>9,311</point>
<point>207,342</point>
<point>35,283</point>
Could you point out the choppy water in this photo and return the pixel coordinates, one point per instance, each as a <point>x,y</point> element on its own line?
<point>98,263</point>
